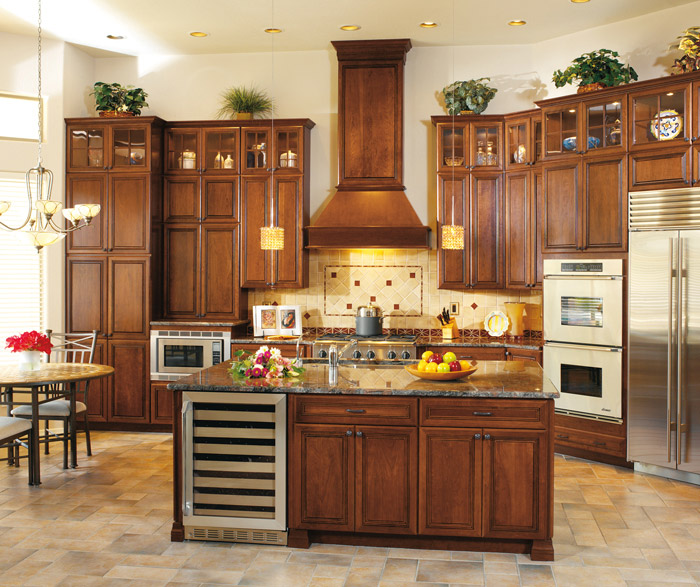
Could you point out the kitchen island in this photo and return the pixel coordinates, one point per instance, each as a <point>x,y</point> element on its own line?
<point>378,457</point>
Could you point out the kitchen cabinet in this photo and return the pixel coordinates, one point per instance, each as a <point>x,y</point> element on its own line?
<point>211,148</point>
<point>161,404</point>
<point>469,144</point>
<point>523,139</point>
<point>113,266</point>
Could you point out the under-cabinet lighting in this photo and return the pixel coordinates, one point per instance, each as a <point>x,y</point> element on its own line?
<point>517,23</point>
<point>580,1</point>
<point>573,110</point>
<point>428,24</point>
<point>669,94</point>
<point>350,27</point>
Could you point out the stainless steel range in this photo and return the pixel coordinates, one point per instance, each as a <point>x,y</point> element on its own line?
<point>382,347</point>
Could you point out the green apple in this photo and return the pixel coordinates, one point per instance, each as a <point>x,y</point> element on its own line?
<point>443,368</point>
<point>448,357</point>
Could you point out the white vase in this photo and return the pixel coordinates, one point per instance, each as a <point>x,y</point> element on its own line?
<point>29,360</point>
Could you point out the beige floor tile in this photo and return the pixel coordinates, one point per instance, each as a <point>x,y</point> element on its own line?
<point>468,555</point>
<point>469,573</point>
<point>500,568</point>
<point>326,582</point>
<point>661,558</point>
<point>141,573</point>
<point>317,558</point>
<point>213,576</point>
<point>368,561</point>
<point>584,577</point>
<point>660,577</point>
<point>501,580</point>
<point>330,572</point>
<point>363,577</point>
<point>535,575</point>
<point>419,553</point>
<point>400,569</point>
<point>277,575</point>
<point>634,537</point>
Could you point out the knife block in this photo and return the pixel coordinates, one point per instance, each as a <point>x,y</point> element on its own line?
<point>450,331</point>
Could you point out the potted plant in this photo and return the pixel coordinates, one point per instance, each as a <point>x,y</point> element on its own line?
<point>595,70</point>
<point>472,96</point>
<point>244,103</point>
<point>689,43</point>
<point>117,100</point>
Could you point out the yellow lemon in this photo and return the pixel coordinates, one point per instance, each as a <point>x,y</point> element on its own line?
<point>426,355</point>
<point>443,368</point>
<point>466,365</point>
<point>432,367</point>
<point>422,365</point>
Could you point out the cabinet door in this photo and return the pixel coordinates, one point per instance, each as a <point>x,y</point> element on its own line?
<point>449,500</point>
<point>452,198</point>
<point>290,264</point>
<point>86,147</point>
<point>538,203</point>
<point>86,294</point>
<point>605,124</point>
<point>129,295</point>
<point>516,472</point>
<point>88,188</point>
<point>322,476</point>
<point>181,199</point>
<point>129,386</point>
<point>254,204</point>
<point>660,169</point>
<point>486,232</point>
<point>288,154</point>
<point>659,117</point>
<point>387,479</point>
<point>605,203</point>
<point>181,270</point>
<point>255,147</point>
<point>561,185</point>
<point>220,152</point>
<point>219,272</point>
<point>519,142</point>
<point>453,147</point>
<point>130,148</point>
<point>486,145</point>
<point>161,404</point>
<point>219,199</point>
<point>182,150</point>
<point>97,389</point>
<point>129,213</point>
<point>519,253</point>
<point>561,130</point>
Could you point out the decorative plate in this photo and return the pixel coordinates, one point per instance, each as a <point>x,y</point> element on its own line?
<point>439,376</point>
<point>666,125</point>
<point>496,323</point>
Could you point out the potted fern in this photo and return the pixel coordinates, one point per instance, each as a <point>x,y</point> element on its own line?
<point>595,70</point>
<point>116,100</point>
<point>470,97</point>
<point>244,103</point>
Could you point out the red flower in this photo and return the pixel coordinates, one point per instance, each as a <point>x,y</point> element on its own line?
<point>29,341</point>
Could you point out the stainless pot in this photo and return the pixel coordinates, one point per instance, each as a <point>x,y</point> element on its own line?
<point>369,320</point>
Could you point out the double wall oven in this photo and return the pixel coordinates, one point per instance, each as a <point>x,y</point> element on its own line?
<point>582,307</point>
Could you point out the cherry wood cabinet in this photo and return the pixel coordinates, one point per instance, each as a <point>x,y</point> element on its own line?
<point>111,269</point>
<point>523,228</point>
<point>161,404</point>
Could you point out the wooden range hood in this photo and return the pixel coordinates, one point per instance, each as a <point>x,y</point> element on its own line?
<point>370,208</point>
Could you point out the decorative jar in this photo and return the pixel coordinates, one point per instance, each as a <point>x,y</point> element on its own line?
<point>29,360</point>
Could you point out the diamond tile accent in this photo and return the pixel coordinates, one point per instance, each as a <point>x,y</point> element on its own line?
<point>357,283</point>
<point>307,315</point>
<point>388,282</point>
<point>396,306</point>
<point>474,306</point>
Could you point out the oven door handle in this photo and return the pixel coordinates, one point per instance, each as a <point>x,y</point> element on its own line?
<point>584,277</point>
<point>669,358</point>
<point>585,347</point>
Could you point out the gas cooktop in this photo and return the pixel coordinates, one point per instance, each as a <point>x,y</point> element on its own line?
<point>368,348</point>
<point>378,338</point>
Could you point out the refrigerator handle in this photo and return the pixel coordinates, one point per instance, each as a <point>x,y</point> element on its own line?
<point>669,361</point>
<point>679,352</point>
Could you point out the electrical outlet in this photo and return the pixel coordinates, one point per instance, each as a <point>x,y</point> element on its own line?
<point>454,308</point>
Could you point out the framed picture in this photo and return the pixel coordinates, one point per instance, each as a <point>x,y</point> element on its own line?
<point>270,320</point>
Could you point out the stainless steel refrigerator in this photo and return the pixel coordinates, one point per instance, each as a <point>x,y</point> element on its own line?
<point>664,333</point>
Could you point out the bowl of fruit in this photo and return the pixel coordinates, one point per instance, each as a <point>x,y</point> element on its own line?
<point>437,367</point>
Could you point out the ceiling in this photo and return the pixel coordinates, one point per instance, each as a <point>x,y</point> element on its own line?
<point>236,26</point>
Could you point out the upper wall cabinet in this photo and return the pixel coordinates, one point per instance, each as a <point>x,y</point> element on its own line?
<point>469,143</point>
<point>191,150</point>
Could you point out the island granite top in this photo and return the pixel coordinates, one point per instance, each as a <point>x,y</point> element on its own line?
<point>493,379</point>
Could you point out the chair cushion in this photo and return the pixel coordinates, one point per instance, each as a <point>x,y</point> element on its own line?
<point>58,408</point>
<point>13,426</point>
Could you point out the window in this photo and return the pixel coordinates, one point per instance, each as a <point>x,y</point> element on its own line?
<point>21,270</point>
<point>18,117</point>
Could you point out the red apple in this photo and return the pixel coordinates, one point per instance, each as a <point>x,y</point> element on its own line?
<point>435,358</point>
<point>455,366</point>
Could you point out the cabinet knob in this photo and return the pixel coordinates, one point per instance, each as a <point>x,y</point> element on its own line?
<point>563,436</point>
<point>477,436</point>
<point>487,437</point>
<point>348,433</point>
<point>687,139</point>
<point>359,433</point>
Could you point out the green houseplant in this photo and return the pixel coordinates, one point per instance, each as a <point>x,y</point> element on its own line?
<point>470,96</point>
<point>689,43</point>
<point>239,101</point>
<point>595,70</point>
<point>117,100</point>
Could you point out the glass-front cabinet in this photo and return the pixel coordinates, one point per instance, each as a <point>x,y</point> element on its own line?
<point>561,130</point>
<point>202,150</point>
<point>182,150</point>
<point>660,116</point>
<point>220,153</point>
<point>486,145</point>
<point>453,147</point>
<point>469,144</point>
<point>523,139</point>
<point>603,122</point>
<point>110,148</point>
<point>256,143</point>
<point>285,154</point>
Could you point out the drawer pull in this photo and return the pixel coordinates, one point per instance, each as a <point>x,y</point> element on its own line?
<point>355,411</point>
<point>599,443</point>
<point>482,414</point>
<point>562,436</point>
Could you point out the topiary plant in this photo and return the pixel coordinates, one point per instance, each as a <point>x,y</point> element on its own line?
<point>117,98</point>
<point>597,67</point>
<point>473,95</point>
<point>247,100</point>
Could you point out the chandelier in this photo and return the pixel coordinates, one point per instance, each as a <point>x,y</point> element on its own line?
<point>39,227</point>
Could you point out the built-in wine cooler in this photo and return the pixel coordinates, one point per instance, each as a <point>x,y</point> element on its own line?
<point>234,464</point>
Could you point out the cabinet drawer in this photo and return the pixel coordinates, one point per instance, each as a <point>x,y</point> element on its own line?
<point>332,409</point>
<point>595,441</point>
<point>470,413</point>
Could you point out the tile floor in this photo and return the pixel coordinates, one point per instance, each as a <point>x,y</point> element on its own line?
<point>108,523</point>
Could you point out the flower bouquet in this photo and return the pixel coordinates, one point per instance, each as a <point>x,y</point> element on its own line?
<point>267,363</point>
<point>29,341</point>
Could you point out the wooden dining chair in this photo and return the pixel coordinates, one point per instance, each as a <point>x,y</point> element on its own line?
<point>68,347</point>
<point>12,432</point>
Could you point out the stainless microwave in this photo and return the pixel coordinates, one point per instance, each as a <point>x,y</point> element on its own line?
<point>184,352</point>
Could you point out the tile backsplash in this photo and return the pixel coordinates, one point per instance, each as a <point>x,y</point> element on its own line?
<point>402,283</point>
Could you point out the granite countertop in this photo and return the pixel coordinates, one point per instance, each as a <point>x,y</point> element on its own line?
<point>493,379</point>
<point>183,325</point>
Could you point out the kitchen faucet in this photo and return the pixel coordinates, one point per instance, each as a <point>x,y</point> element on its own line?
<point>298,361</point>
<point>334,354</point>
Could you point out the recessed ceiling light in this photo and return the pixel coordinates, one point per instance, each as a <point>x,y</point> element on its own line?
<point>580,1</point>
<point>350,27</point>
<point>115,37</point>
<point>428,24</point>
<point>669,94</point>
<point>273,30</point>
<point>198,34</point>
<point>517,23</point>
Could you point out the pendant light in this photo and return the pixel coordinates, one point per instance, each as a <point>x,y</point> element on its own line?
<point>39,227</point>
<point>272,236</point>
<point>452,235</point>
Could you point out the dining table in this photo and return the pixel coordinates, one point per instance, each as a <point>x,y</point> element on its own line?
<point>50,381</point>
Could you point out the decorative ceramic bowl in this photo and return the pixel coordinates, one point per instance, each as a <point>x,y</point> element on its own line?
<point>569,144</point>
<point>454,161</point>
<point>433,376</point>
<point>496,323</point>
<point>666,125</point>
